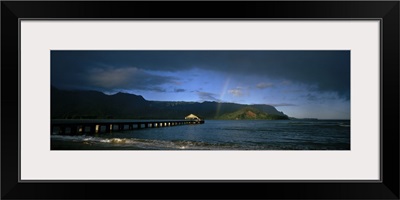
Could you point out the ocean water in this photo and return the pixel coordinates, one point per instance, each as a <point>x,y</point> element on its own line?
<point>219,135</point>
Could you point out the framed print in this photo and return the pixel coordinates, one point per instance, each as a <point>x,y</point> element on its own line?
<point>102,97</point>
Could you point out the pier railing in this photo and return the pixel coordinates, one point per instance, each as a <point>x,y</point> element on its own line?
<point>74,127</point>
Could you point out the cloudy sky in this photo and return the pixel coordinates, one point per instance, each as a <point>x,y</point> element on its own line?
<point>303,84</point>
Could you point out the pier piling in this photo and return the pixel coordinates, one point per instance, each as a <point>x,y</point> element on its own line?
<point>74,127</point>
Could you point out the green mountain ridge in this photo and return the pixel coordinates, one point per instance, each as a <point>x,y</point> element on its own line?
<point>79,104</point>
<point>251,113</point>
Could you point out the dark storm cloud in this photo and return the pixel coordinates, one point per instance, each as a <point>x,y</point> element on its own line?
<point>154,89</point>
<point>207,96</point>
<point>264,85</point>
<point>328,70</point>
<point>179,90</point>
<point>312,97</point>
<point>72,74</point>
<point>282,104</point>
<point>320,98</point>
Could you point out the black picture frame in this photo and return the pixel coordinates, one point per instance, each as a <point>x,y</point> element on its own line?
<point>386,11</point>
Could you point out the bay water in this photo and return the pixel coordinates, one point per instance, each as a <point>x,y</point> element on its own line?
<point>219,135</point>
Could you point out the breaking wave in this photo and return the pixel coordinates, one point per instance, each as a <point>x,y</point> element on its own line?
<point>125,143</point>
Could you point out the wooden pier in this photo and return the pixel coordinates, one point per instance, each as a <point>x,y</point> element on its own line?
<point>76,127</point>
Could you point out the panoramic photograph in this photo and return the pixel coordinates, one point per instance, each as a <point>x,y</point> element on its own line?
<point>200,100</point>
